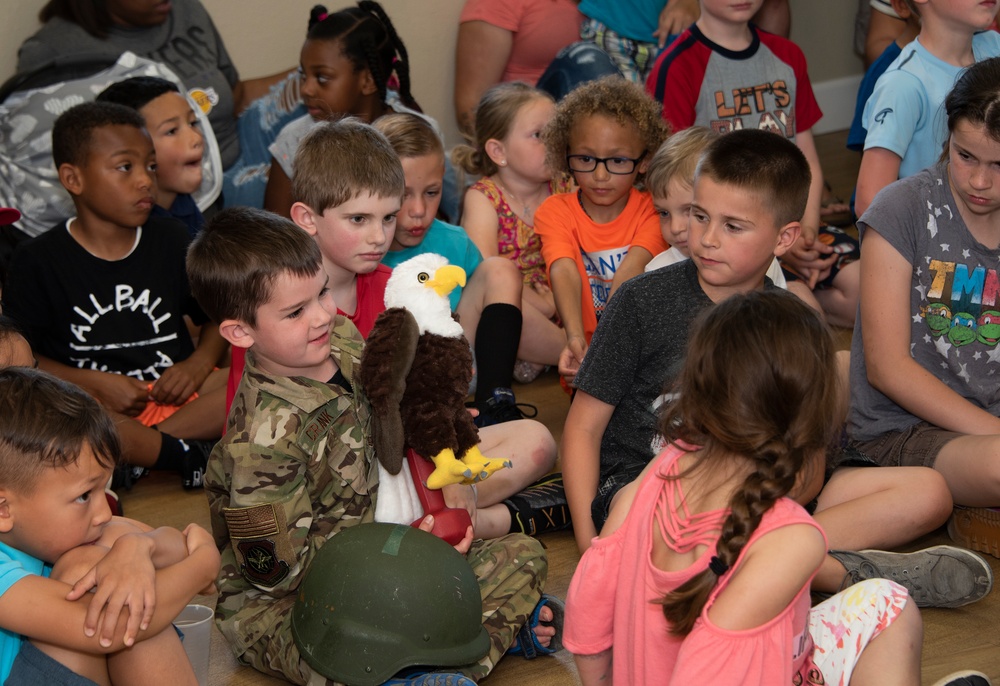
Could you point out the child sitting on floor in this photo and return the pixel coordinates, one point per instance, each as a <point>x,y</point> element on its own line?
<point>605,233</point>
<point>296,465</point>
<point>499,208</point>
<point>103,299</point>
<point>350,211</point>
<point>923,390</point>
<point>696,552</point>
<point>749,189</point>
<point>58,540</point>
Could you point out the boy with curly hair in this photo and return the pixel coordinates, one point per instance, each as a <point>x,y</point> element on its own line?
<point>605,233</point>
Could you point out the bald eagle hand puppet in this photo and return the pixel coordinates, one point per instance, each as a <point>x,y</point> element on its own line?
<point>416,370</point>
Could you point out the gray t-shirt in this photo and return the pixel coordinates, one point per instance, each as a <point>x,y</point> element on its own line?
<point>636,351</point>
<point>955,316</point>
<point>187,42</point>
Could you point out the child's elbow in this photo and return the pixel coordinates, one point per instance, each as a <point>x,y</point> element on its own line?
<point>879,373</point>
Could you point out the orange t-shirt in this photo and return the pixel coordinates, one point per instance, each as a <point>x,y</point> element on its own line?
<point>597,249</point>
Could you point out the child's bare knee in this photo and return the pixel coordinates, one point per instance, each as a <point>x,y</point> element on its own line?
<point>499,273</point>
<point>544,449</point>
<point>909,621</point>
<point>935,495</point>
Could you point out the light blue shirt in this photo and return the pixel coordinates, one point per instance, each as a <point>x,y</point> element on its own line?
<point>14,566</point>
<point>446,240</point>
<point>905,114</point>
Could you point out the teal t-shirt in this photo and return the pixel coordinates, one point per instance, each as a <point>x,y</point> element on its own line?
<point>446,240</point>
<point>635,19</point>
<point>14,566</point>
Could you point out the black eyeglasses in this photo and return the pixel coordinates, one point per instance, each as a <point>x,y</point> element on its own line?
<point>614,165</point>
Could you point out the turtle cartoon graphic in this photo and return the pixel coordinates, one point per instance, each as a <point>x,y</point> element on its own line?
<point>938,318</point>
<point>988,331</point>
<point>963,329</point>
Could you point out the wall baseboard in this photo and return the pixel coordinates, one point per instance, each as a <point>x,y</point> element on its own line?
<point>837,98</point>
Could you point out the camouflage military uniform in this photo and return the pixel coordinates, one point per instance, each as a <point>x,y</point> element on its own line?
<point>294,468</point>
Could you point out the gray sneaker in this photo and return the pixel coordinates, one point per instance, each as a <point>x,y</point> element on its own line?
<point>942,576</point>
<point>965,678</point>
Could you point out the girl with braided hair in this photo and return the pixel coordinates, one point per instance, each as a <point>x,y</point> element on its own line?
<point>709,552</point>
<point>353,63</point>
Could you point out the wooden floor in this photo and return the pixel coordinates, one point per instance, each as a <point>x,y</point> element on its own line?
<point>966,638</point>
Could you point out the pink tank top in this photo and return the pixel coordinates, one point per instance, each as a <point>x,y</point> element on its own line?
<point>630,618</point>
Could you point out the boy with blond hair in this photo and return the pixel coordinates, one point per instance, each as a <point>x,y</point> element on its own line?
<point>904,116</point>
<point>58,540</point>
<point>296,465</point>
<point>750,189</point>
<point>726,74</point>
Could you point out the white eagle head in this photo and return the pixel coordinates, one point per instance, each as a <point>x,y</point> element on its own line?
<point>421,285</point>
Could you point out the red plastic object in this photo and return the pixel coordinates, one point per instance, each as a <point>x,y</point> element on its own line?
<point>450,523</point>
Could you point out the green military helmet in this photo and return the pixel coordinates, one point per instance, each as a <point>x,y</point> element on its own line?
<point>381,597</point>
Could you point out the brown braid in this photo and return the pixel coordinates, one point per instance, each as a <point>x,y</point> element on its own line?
<point>758,382</point>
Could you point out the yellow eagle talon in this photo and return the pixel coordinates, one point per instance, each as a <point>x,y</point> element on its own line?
<point>448,470</point>
<point>481,465</point>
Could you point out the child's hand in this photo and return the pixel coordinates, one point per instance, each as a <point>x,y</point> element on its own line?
<point>120,393</point>
<point>461,496</point>
<point>571,357</point>
<point>676,16</point>
<point>179,382</point>
<point>543,289</point>
<point>124,577</point>
<point>462,546</point>
<point>810,260</point>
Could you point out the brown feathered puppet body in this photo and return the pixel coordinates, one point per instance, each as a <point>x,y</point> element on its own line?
<point>416,370</point>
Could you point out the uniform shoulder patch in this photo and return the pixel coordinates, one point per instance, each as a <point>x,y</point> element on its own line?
<point>259,536</point>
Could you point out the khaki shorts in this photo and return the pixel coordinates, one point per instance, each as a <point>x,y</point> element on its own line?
<point>915,446</point>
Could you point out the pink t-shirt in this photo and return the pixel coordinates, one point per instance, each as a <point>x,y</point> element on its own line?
<point>541,28</point>
<point>630,619</point>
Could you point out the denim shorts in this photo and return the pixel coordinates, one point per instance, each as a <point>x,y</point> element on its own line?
<point>600,506</point>
<point>32,667</point>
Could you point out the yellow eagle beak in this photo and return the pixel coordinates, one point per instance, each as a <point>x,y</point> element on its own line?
<point>446,278</point>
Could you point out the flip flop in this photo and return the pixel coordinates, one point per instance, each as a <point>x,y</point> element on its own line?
<point>527,642</point>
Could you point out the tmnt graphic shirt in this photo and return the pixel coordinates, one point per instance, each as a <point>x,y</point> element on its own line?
<point>954,301</point>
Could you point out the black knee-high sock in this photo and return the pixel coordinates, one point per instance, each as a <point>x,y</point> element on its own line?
<point>497,338</point>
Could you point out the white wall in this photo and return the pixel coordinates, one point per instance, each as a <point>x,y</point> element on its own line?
<point>264,36</point>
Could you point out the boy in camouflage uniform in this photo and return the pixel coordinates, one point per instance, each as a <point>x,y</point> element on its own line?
<point>296,466</point>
